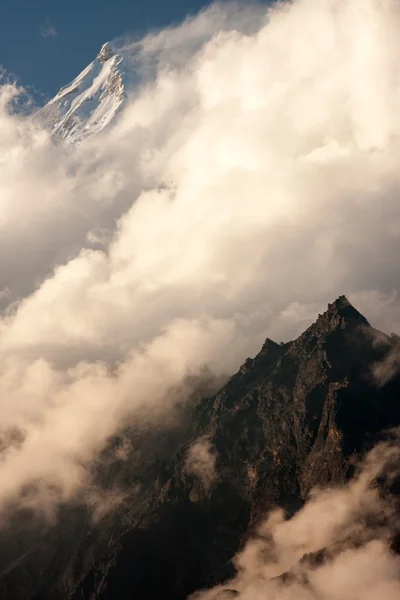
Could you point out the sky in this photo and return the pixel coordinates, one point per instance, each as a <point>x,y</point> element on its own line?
<point>46,43</point>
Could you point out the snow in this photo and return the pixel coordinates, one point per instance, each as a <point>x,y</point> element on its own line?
<point>87,104</point>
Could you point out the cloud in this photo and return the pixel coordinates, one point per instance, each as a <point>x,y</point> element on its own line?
<point>246,184</point>
<point>48,30</point>
<point>337,546</point>
<point>384,370</point>
<point>201,461</point>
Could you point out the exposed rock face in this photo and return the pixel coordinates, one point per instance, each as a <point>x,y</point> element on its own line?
<point>106,52</point>
<point>293,417</point>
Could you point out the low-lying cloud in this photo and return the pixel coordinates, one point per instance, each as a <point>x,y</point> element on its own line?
<point>247,182</point>
<point>201,461</point>
<point>337,546</point>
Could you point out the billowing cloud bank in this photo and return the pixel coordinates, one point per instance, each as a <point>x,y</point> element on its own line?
<point>337,547</point>
<point>252,177</point>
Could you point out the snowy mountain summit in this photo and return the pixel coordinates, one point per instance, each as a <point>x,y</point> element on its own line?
<point>87,104</point>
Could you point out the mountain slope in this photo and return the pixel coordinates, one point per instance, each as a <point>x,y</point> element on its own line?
<point>293,417</point>
<point>87,104</point>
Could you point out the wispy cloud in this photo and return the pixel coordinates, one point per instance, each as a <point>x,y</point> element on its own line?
<point>201,461</point>
<point>48,30</point>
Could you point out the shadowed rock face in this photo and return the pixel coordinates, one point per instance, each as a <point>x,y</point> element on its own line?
<point>293,417</point>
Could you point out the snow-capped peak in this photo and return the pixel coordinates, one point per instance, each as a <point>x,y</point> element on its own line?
<point>90,101</point>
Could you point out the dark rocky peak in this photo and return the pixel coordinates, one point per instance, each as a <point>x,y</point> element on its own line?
<point>253,367</point>
<point>269,352</point>
<point>340,314</point>
<point>342,308</point>
<point>340,335</point>
<point>341,324</point>
<point>341,344</point>
<point>268,346</point>
<point>340,319</point>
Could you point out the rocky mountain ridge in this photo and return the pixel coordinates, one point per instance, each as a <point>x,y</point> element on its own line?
<point>296,416</point>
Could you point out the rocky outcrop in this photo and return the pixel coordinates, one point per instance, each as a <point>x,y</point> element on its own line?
<point>295,416</point>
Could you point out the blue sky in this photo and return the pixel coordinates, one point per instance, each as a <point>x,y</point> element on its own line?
<point>46,43</point>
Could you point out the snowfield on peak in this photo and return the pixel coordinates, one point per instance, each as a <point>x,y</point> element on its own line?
<point>87,104</point>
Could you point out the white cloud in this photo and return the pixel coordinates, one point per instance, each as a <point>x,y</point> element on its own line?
<point>48,30</point>
<point>248,182</point>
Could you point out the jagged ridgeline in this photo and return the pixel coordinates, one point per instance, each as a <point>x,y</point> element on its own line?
<point>295,416</point>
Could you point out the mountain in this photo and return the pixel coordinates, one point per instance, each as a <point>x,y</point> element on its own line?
<point>87,104</point>
<point>293,417</point>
